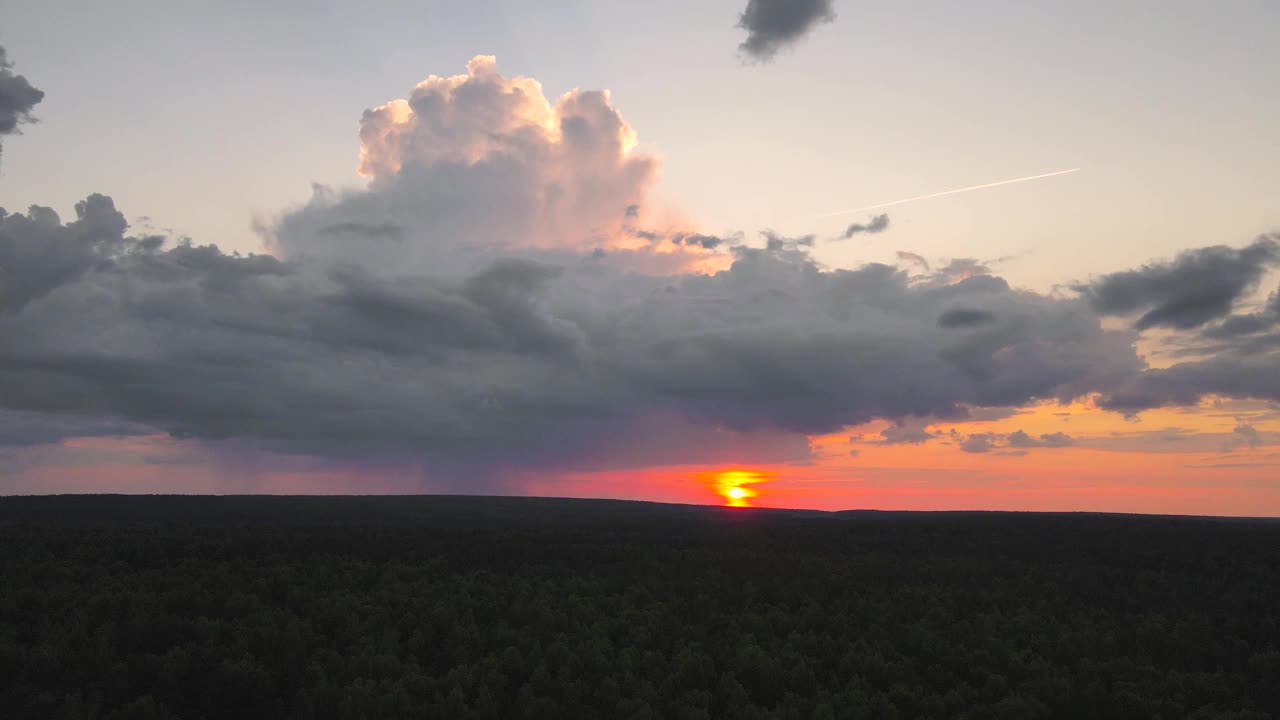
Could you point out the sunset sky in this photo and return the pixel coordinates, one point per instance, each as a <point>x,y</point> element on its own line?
<point>590,249</point>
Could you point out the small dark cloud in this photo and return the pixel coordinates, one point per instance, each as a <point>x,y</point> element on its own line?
<point>774,241</point>
<point>386,230</point>
<point>908,431</point>
<point>774,24</point>
<point>1196,288</point>
<point>961,269</point>
<point>965,317</point>
<point>1018,442</point>
<point>877,224</point>
<point>706,242</point>
<point>1020,439</point>
<point>914,258</point>
<point>632,211</point>
<point>1230,465</point>
<point>1057,439</point>
<point>1249,434</point>
<point>979,443</point>
<point>17,98</point>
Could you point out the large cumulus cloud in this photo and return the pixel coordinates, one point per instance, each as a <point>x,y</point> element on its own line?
<point>528,361</point>
<point>488,302</point>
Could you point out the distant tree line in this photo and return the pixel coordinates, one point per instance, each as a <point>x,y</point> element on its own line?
<point>652,616</point>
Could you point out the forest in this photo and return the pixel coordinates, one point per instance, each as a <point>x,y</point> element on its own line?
<point>466,607</point>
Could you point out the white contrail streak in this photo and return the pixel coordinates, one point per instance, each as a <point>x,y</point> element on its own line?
<point>945,192</point>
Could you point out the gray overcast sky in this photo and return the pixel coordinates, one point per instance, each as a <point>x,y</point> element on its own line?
<point>200,115</point>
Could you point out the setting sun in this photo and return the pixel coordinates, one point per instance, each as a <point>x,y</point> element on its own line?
<point>733,485</point>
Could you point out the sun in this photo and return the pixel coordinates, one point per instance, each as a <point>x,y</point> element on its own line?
<point>735,485</point>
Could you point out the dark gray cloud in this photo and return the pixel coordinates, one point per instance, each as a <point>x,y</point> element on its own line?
<point>532,358</point>
<point>1237,326</point>
<point>1255,375</point>
<point>877,224</point>
<point>1244,334</point>
<point>17,98</point>
<point>965,318</point>
<point>1197,287</point>
<point>774,24</point>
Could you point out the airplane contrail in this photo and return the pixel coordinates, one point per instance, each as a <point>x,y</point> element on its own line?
<point>945,192</point>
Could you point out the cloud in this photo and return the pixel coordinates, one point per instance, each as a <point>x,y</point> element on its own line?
<point>877,224</point>
<point>774,24</point>
<point>1197,287</point>
<point>17,98</point>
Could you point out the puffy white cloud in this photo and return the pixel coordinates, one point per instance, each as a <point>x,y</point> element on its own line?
<point>479,163</point>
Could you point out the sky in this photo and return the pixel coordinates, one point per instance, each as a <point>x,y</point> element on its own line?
<point>597,249</point>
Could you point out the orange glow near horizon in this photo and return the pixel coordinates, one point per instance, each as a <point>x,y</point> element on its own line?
<point>1218,458</point>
